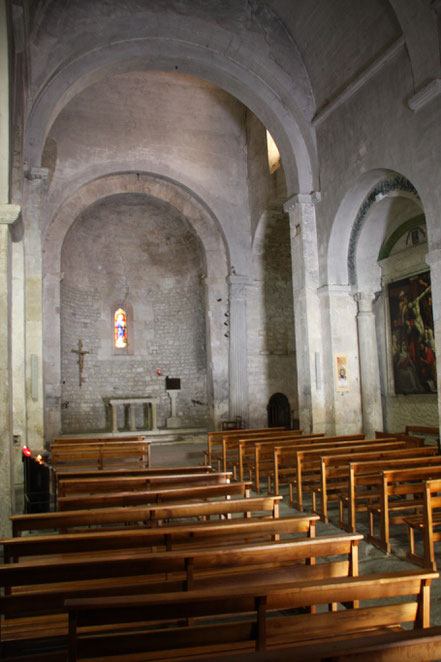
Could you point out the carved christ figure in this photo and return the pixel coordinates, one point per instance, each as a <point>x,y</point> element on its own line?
<point>81,352</point>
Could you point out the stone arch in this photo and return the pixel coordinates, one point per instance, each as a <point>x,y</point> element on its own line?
<point>352,216</point>
<point>221,56</point>
<point>199,217</point>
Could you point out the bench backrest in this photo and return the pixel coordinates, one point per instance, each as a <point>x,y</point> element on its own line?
<point>182,494</point>
<point>101,484</point>
<point>168,536</point>
<point>261,630</point>
<point>142,514</point>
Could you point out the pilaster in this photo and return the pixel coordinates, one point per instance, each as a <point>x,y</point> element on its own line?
<point>369,366</point>
<point>35,184</point>
<point>217,322</point>
<point>238,356</point>
<point>307,314</point>
<point>8,214</point>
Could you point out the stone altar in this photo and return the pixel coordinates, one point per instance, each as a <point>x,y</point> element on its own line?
<point>132,403</point>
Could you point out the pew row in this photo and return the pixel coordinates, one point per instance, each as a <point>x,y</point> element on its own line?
<point>234,631</point>
<point>36,590</point>
<point>171,494</point>
<point>152,515</point>
<point>364,484</point>
<point>335,475</point>
<point>219,437</point>
<point>236,531</point>
<point>427,524</point>
<point>401,491</point>
<point>422,645</point>
<point>118,483</point>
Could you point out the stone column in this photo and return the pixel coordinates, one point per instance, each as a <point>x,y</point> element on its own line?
<point>238,358</point>
<point>217,343</point>
<point>433,259</point>
<point>307,315</point>
<point>369,367</point>
<point>8,214</point>
<point>35,186</point>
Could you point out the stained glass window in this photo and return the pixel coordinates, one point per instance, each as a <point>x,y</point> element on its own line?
<point>120,328</point>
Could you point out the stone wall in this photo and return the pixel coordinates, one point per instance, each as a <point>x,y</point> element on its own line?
<point>137,250</point>
<point>272,361</point>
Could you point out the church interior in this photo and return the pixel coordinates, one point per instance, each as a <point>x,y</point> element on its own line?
<point>218,215</point>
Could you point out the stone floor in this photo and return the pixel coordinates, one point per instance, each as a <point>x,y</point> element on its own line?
<point>189,451</point>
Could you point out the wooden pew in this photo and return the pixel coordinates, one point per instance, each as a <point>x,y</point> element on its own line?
<point>389,646</point>
<point>394,504</point>
<point>132,454</point>
<point>171,495</point>
<point>118,483</point>
<point>253,454</point>
<point>150,472</point>
<point>426,523</point>
<point>284,462</point>
<point>167,537</point>
<point>63,441</point>
<point>44,586</point>
<point>364,484</point>
<point>216,438</point>
<point>229,454</point>
<point>153,514</point>
<point>257,632</point>
<point>307,470</point>
<point>334,474</point>
<point>265,461</point>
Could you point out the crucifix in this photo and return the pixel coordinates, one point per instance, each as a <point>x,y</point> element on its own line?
<point>81,352</point>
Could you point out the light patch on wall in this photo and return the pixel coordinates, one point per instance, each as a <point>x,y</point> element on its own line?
<point>273,153</point>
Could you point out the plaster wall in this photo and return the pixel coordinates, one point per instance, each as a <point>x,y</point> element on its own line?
<point>379,133</point>
<point>136,250</point>
<point>175,126</point>
<point>271,342</point>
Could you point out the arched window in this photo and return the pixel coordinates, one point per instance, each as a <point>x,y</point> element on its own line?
<point>120,328</point>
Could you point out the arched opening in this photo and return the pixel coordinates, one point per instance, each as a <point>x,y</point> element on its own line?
<point>279,411</point>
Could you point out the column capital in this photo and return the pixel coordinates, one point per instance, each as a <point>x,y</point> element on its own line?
<point>237,285</point>
<point>434,257</point>
<point>9,213</point>
<point>302,199</point>
<point>36,172</point>
<point>365,301</point>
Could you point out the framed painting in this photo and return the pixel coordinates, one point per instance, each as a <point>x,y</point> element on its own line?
<point>413,343</point>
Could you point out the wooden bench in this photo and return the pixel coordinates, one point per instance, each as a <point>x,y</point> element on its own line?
<point>254,454</point>
<point>118,483</point>
<point>132,454</point>
<point>290,469</point>
<point>234,631</point>
<point>426,431</point>
<point>42,586</point>
<point>216,438</point>
<point>73,475</point>
<point>152,515</point>
<point>426,524</point>
<point>63,441</point>
<point>307,472</point>
<point>388,646</point>
<point>364,484</point>
<point>268,463</point>
<point>401,491</point>
<point>334,474</point>
<point>167,537</point>
<point>172,494</point>
<point>229,454</point>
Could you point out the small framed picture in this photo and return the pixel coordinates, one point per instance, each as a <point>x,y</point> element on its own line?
<point>341,373</point>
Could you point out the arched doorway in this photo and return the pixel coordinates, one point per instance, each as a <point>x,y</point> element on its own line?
<point>279,411</point>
